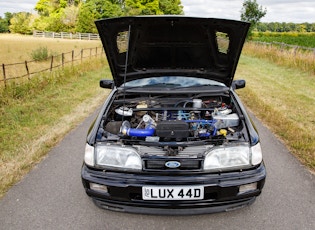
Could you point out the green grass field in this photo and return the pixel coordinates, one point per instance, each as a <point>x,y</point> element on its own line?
<point>291,38</point>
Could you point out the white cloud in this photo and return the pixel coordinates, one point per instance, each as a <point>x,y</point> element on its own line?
<point>212,9</point>
<point>277,10</point>
<point>291,11</point>
<point>17,6</point>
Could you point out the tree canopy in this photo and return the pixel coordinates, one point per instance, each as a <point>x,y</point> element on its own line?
<point>252,12</point>
<point>21,23</point>
<point>5,22</point>
<point>79,15</point>
<point>92,10</point>
<point>285,27</point>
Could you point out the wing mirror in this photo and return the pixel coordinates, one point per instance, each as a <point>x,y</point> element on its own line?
<point>107,84</point>
<point>238,84</point>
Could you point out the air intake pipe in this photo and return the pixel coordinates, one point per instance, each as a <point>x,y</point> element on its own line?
<point>135,132</point>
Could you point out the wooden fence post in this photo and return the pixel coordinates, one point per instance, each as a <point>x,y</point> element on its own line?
<point>4,76</point>
<point>62,59</point>
<point>28,72</point>
<point>51,63</point>
<point>295,50</point>
<point>72,57</point>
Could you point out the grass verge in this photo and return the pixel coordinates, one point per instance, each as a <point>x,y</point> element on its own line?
<point>291,58</point>
<point>38,114</point>
<point>284,99</point>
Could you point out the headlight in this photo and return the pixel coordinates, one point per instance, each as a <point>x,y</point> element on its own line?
<point>227,157</point>
<point>118,156</point>
<point>89,155</point>
<point>233,157</point>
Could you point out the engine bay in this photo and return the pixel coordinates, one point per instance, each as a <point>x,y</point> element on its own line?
<point>171,119</point>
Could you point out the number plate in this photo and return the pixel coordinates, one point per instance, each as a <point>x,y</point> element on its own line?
<point>172,192</point>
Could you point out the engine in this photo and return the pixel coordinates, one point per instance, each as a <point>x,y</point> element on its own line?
<point>172,119</point>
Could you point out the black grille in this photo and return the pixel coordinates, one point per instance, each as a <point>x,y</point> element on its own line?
<point>185,164</point>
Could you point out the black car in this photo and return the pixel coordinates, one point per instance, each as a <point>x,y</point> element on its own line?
<point>172,137</point>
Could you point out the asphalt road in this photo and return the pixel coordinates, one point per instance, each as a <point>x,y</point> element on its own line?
<point>51,196</point>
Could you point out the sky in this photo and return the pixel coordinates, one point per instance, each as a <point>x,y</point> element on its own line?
<point>296,11</point>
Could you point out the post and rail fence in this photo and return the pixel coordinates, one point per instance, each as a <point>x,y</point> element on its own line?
<point>66,35</point>
<point>283,46</point>
<point>27,69</point>
<point>300,57</point>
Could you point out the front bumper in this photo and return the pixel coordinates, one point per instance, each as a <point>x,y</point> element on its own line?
<point>221,191</point>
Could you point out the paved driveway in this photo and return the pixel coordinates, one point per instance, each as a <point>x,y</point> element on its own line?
<point>52,197</point>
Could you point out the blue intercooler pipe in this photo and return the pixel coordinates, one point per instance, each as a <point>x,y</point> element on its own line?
<point>140,132</point>
<point>148,131</point>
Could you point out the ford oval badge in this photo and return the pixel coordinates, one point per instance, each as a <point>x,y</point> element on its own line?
<point>172,164</point>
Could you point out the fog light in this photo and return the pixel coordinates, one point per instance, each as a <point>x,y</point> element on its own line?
<point>247,188</point>
<point>98,187</point>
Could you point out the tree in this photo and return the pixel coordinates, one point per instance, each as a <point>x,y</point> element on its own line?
<point>153,7</point>
<point>57,15</point>
<point>3,25</point>
<point>5,22</point>
<point>70,16</point>
<point>142,7</point>
<point>55,22</point>
<point>252,12</point>
<point>171,7</point>
<point>21,23</point>
<point>79,15</point>
<point>45,7</point>
<point>92,10</point>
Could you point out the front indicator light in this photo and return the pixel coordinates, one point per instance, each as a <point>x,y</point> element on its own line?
<point>89,155</point>
<point>256,154</point>
<point>98,187</point>
<point>247,188</point>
